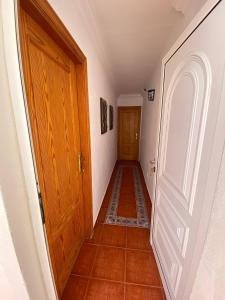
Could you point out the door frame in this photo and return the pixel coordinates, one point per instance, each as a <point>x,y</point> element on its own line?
<point>137,107</point>
<point>43,13</point>
<point>217,152</point>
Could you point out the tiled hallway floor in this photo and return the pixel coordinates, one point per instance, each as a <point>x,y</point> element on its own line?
<point>116,263</point>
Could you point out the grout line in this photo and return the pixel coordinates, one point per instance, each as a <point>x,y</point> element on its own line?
<point>120,247</point>
<point>94,260</point>
<point>118,281</point>
<point>89,277</point>
<point>86,290</point>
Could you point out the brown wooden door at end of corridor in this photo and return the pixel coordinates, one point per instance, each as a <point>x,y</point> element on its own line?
<point>128,132</point>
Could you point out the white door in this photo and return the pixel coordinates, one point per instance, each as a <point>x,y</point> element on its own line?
<point>194,78</point>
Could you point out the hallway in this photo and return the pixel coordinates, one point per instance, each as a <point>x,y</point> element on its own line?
<point>112,137</point>
<point>117,262</point>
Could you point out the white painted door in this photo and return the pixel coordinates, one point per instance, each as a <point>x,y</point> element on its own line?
<point>194,78</point>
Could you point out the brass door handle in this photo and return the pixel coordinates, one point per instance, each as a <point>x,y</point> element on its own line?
<point>136,135</point>
<point>81,162</point>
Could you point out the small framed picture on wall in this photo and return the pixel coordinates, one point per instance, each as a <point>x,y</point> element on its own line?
<point>103,115</point>
<point>111,117</point>
<point>151,95</point>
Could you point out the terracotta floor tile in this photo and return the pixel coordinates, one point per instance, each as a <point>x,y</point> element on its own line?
<point>141,268</point>
<point>105,263</point>
<point>97,234</point>
<point>75,288</point>
<point>104,290</point>
<point>138,238</point>
<point>85,260</point>
<point>109,263</point>
<point>114,235</point>
<point>138,292</point>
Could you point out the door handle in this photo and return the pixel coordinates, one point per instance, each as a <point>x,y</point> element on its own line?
<point>152,162</point>
<point>136,135</point>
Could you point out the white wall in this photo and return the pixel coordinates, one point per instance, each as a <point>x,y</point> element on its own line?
<point>78,19</point>
<point>187,9</point>
<point>12,284</point>
<point>130,100</point>
<point>149,131</point>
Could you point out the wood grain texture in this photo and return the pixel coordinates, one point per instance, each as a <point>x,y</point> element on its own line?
<point>128,132</point>
<point>57,104</point>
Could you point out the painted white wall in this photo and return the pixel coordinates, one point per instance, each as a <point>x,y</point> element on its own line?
<point>187,9</point>
<point>78,19</point>
<point>12,284</point>
<point>149,131</point>
<point>130,100</point>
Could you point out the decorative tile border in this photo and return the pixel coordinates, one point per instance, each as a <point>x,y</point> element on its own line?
<point>142,216</point>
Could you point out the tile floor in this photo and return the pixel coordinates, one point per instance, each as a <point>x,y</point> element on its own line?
<point>116,263</point>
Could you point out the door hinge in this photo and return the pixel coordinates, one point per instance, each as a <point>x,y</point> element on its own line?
<point>41,207</point>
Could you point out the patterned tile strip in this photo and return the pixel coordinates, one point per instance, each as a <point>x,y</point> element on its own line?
<point>142,216</point>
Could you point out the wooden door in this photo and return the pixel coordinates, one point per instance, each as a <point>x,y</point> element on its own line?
<point>194,81</point>
<point>128,132</point>
<point>50,77</point>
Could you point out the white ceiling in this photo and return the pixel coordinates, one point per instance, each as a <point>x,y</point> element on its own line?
<point>136,33</point>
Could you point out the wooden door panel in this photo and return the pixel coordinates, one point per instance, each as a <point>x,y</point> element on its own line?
<point>53,111</point>
<point>128,132</point>
<point>50,77</point>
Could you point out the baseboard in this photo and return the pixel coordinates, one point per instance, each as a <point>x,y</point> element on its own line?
<point>106,190</point>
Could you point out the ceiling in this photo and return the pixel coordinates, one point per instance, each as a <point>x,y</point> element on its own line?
<point>136,33</point>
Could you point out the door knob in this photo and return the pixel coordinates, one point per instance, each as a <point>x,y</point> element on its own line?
<point>136,136</point>
<point>152,162</point>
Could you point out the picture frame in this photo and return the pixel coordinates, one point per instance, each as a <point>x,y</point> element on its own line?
<point>111,117</point>
<point>103,115</point>
<point>151,95</point>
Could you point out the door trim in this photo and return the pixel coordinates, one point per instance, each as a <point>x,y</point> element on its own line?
<point>139,109</point>
<point>217,151</point>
